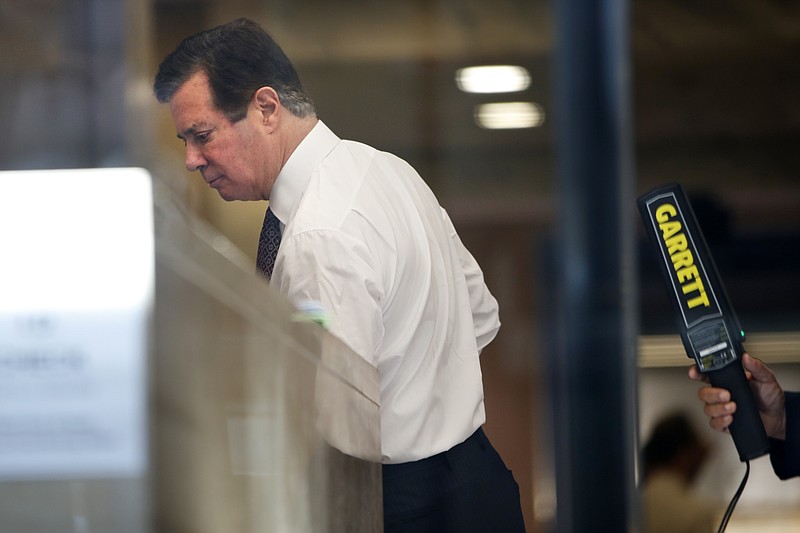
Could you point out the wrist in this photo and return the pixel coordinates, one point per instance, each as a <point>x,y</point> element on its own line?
<point>780,428</point>
<point>779,431</point>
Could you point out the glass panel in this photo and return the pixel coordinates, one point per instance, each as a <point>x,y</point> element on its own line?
<point>77,288</point>
<point>262,420</point>
<point>258,419</point>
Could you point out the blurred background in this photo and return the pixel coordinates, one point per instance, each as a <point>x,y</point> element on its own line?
<point>714,88</point>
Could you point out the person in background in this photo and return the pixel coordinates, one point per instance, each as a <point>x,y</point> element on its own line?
<point>779,409</point>
<point>671,460</point>
<point>358,231</point>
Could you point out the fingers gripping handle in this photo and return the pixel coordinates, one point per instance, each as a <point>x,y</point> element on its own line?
<point>746,429</point>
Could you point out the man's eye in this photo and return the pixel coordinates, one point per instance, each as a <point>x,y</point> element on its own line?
<point>203,137</point>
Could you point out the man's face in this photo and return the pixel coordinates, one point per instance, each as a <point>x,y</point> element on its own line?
<point>233,158</point>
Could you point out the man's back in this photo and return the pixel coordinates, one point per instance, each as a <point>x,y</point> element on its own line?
<point>400,289</point>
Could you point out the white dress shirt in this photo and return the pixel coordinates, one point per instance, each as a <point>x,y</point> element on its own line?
<point>365,236</point>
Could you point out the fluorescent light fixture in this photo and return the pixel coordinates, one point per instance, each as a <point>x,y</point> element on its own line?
<point>493,79</point>
<point>509,115</point>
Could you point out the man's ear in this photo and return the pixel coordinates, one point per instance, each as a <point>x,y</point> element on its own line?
<point>268,105</point>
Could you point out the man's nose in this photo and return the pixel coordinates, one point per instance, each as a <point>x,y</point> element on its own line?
<point>194,158</point>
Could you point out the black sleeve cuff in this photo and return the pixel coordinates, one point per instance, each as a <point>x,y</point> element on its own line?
<point>785,455</point>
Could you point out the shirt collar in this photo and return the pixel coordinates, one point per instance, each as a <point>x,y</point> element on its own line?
<point>296,173</point>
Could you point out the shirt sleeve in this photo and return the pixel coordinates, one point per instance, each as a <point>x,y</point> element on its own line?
<point>785,454</point>
<point>485,310</point>
<point>335,270</point>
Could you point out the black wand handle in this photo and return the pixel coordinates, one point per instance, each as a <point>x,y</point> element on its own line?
<point>746,429</point>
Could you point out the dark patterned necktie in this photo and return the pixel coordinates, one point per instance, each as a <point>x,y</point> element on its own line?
<point>268,244</point>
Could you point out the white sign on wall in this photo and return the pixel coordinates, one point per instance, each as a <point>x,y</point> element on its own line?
<point>76,291</point>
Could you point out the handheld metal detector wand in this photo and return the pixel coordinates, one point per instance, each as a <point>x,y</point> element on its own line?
<point>708,326</point>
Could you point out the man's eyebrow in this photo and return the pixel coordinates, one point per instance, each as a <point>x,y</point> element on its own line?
<point>191,130</point>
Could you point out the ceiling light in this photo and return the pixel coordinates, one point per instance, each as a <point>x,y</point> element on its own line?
<point>509,115</point>
<point>493,79</point>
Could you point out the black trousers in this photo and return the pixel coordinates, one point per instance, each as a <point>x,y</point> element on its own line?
<point>467,489</point>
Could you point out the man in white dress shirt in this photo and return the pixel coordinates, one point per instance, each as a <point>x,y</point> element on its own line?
<point>361,233</point>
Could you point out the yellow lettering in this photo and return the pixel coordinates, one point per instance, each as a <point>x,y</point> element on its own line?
<point>702,299</point>
<point>688,273</point>
<point>676,244</point>
<point>665,212</point>
<point>682,259</point>
<point>681,256</point>
<point>668,229</point>
<point>691,287</point>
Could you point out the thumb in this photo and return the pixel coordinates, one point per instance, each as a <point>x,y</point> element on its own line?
<point>758,370</point>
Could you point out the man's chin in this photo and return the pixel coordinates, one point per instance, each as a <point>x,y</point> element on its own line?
<point>226,197</point>
<point>232,196</point>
